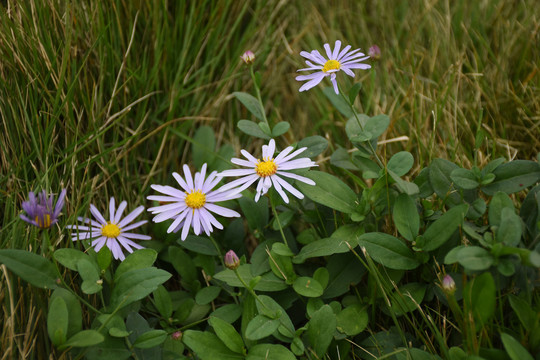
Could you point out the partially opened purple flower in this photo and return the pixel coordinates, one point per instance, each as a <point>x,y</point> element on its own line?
<point>40,211</point>
<point>269,171</point>
<point>113,233</point>
<point>194,204</point>
<point>344,60</point>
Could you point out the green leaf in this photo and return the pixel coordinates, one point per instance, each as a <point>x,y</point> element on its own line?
<point>315,145</point>
<point>388,251</point>
<point>163,302</point>
<point>352,320</point>
<point>339,103</point>
<point>509,231</point>
<point>322,276</point>
<point>136,284</point>
<point>282,249</point>
<point>401,163</point>
<point>341,241</point>
<point>280,128</point>
<point>406,217</point>
<point>251,103</point>
<point>329,191</point>
<point>270,352</point>
<point>353,92</point>
<point>57,321</point>
<point>268,282</point>
<point>307,287</point>
<point>229,313</point>
<point>524,312</point>
<point>464,178</point>
<point>356,129</point>
<point>203,146</point>
<point>198,244</point>
<point>207,294</point>
<point>479,297</point>
<point>442,229</point>
<point>251,128</point>
<point>89,273</point>
<point>73,308</point>
<point>514,176</point>
<point>226,333</point>
<point>407,298</point>
<point>139,259</point>
<point>265,128</point>
<point>321,329</point>
<point>104,258</point>
<point>256,213</point>
<point>32,268</point>
<point>344,270</point>
<point>150,339</point>
<point>498,202</point>
<point>260,327</point>
<point>377,125</point>
<point>268,306</point>
<point>515,350</point>
<point>70,257</point>
<point>405,186</point>
<point>439,177</point>
<point>470,257</point>
<point>182,264</point>
<point>208,346</point>
<point>83,338</point>
<point>342,159</point>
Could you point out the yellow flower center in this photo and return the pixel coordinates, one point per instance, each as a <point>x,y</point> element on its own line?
<point>266,168</point>
<point>196,199</point>
<point>331,65</point>
<point>44,222</point>
<point>110,230</point>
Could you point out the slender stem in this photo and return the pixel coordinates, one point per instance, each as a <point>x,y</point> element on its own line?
<point>251,291</point>
<point>279,222</point>
<point>258,93</point>
<point>355,113</point>
<point>218,250</point>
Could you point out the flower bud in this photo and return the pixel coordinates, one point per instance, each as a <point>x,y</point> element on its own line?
<point>177,335</point>
<point>231,260</point>
<point>374,52</point>
<point>448,285</point>
<point>248,57</point>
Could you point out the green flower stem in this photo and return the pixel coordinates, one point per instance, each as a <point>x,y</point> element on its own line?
<point>258,93</point>
<point>251,291</point>
<point>279,222</point>
<point>355,113</point>
<point>218,250</point>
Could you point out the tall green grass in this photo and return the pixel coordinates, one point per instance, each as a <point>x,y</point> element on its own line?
<point>102,98</point>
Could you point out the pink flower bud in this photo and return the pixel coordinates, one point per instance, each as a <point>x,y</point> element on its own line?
<point>374,52</point>
<point>177,335</point>
<point>449,285</point>
<point>248,57</point>
<point>231,260</point>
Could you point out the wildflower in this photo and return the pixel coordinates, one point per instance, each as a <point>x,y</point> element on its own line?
<point>248,57</point>
<point>192,207</point>
<point>448,285</point>
<point>337,60</point>
<point>374,52</point>
<point>231,260</point>
<point>112,233</point>
<point>40,211</point>
<point>269,171</point>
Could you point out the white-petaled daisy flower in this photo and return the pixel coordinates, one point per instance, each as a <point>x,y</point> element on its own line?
<point>113,233</point>
<point>337,60</point>
<point>194,204</point>
<point>269,171</point>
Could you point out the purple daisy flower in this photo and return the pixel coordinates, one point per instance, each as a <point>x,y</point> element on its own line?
<point>270,171</point>
<point>40,211</point>
<point>192,206</point>
<point>113,233</point>
<point>343,60</point>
